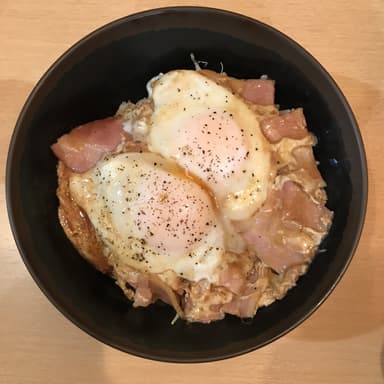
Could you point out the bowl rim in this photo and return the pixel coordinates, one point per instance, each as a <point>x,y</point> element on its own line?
<point>158,12</point>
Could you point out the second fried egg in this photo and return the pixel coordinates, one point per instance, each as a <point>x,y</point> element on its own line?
<point>214,135</point>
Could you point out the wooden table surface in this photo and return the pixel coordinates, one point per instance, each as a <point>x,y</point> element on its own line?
<point>343,342</point>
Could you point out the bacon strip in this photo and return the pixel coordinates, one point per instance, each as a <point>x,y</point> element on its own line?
<point>81,148</point>
<point>244,306</point>
<point>149,288</point>
<point>276,233</point>
<point>232,278</point>
<point>291,124</point>
<point>305,160</point>
<point>300,208</point>
<point>259,91</point>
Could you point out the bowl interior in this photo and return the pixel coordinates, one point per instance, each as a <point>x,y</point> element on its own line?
<point>114,64</point>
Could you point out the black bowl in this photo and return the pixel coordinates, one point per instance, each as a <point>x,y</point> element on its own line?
<point>113,64</point>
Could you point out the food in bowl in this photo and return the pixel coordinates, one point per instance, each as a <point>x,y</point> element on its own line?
<point>203,195</point>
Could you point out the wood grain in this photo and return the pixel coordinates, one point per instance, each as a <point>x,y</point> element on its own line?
<point>341,343</point>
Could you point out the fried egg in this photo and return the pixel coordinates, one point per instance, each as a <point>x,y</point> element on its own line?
<point>151,216</point>
<point>212,134</point>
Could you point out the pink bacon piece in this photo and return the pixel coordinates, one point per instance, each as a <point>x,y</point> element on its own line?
<point>81,148</point>
<point>297,206</point>
<point>259,91</point>
<point>306,160</point>
<point>275,231</point>
<point>149,288</point>
<point>291,125</point>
